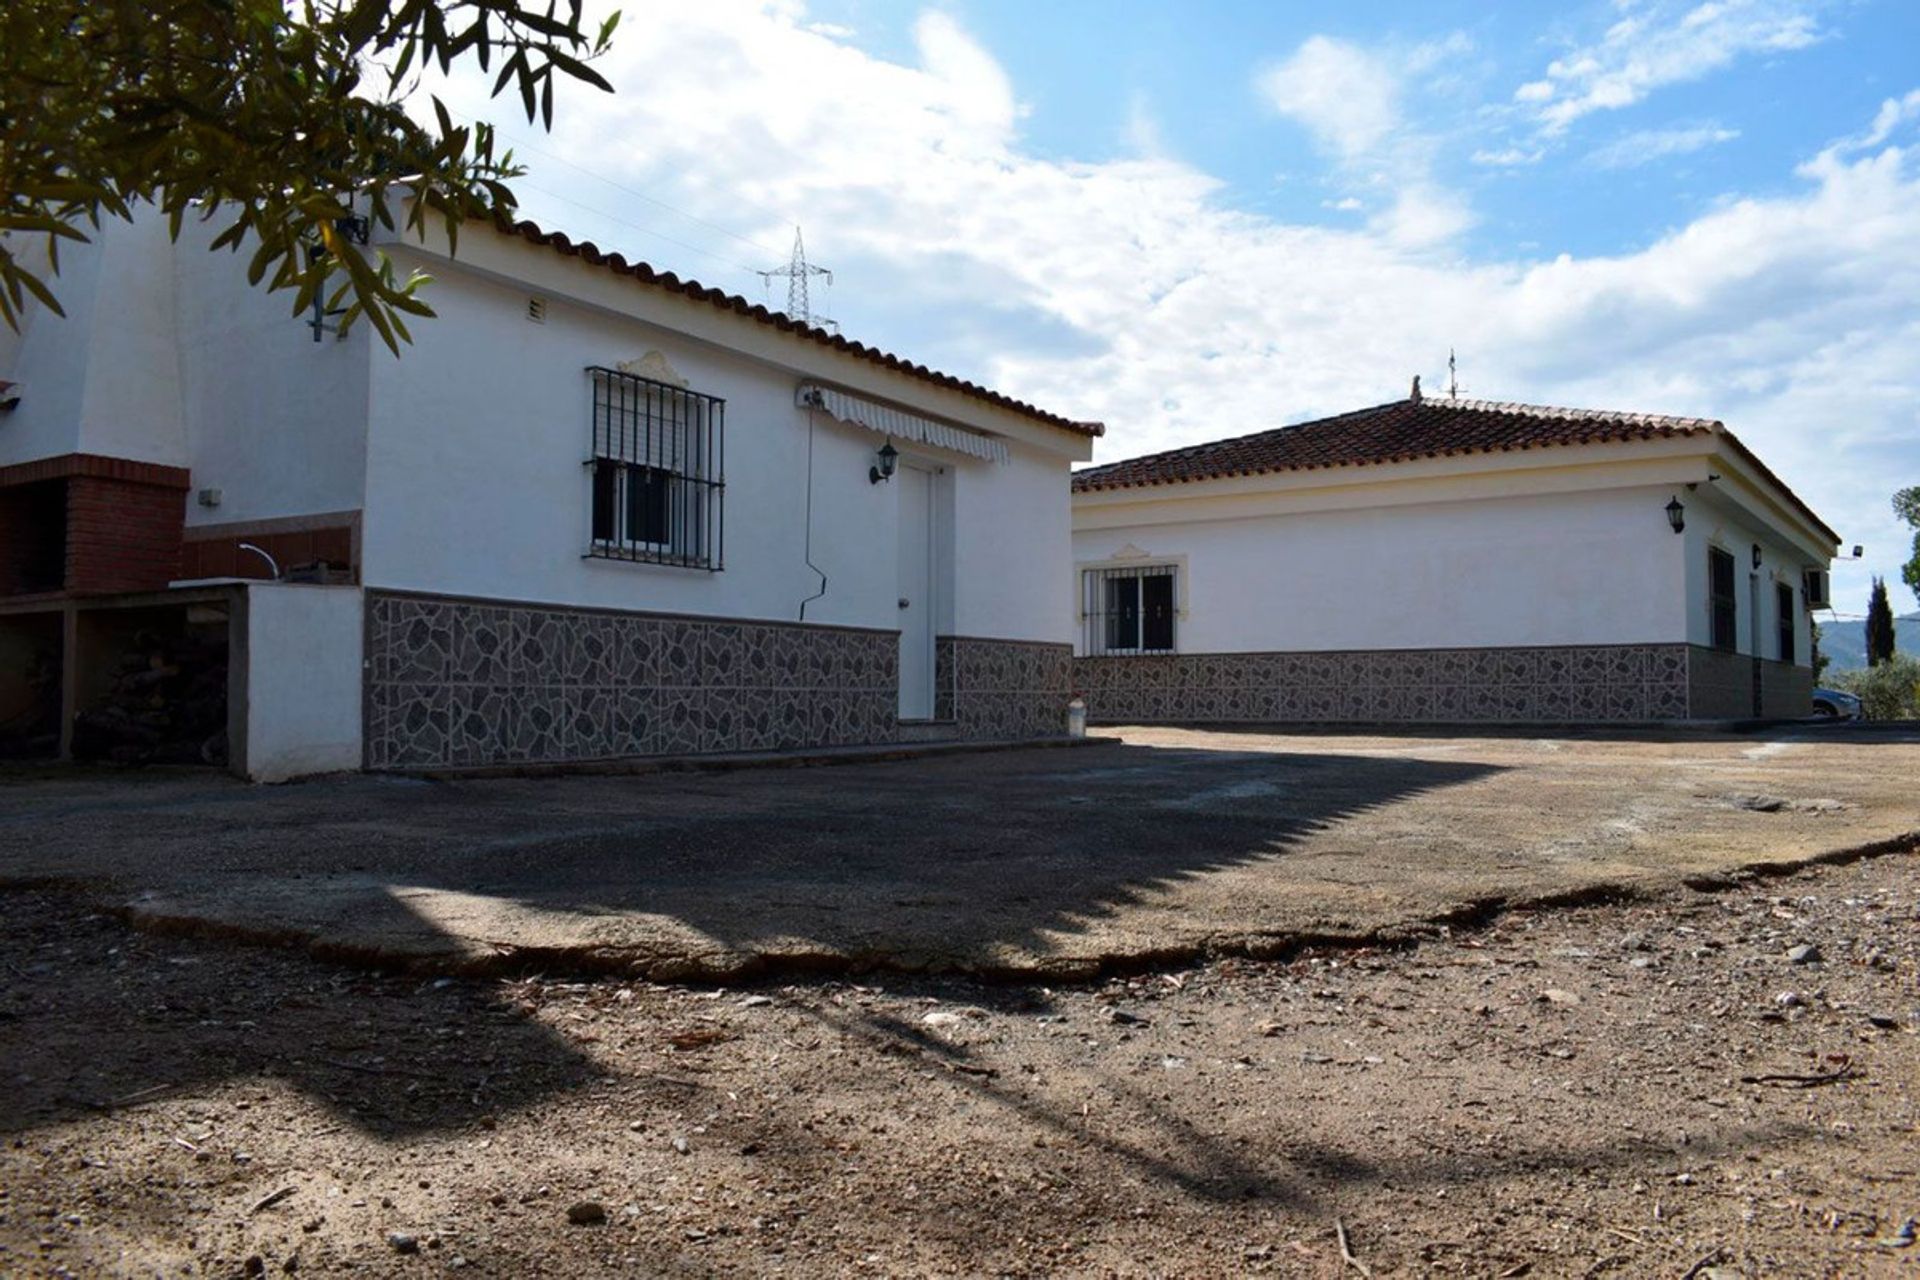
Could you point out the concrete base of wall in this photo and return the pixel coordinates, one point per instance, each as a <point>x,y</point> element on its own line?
<point>455,682</point>
<point>1560,685</point>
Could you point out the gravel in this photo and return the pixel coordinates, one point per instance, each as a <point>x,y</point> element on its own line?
<point>1723,1109</point>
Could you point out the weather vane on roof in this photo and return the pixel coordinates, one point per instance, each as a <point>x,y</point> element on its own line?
<point>1453,377</point>
<point>799,272</point>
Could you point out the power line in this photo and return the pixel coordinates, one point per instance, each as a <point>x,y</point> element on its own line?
<point>635,226</point>
<point>521,143</point>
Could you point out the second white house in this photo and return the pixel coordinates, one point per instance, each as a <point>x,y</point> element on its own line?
<point>1439,560</point>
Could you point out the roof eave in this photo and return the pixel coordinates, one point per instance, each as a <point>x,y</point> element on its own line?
<point>644,273</point>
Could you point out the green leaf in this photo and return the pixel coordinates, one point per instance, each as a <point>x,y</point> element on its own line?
<point>39,290</point>
<point>264,115</point>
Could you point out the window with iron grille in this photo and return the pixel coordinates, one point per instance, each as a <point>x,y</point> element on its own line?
<point>1720,591</point>
<point>1783,601</point>
<point>1128,611</point>
<point>658,470</point>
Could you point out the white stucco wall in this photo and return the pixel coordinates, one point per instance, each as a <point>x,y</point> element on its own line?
<point>104,378</point>
<point>166,355</point>
<point>274,420</point>
<point>466,453</point>
<point>1715,521</point>
<point>476,483</point>
<point>1012,539</point>
<point>304,646</point>
<point>1544,569</point>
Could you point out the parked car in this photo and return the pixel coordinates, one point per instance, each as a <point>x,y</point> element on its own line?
<point>1833,704</point>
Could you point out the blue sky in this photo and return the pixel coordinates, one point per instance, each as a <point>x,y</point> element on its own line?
<point>1204,219</point>
<point>1086,68</point>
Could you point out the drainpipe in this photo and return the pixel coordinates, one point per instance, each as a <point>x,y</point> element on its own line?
<point>808,551</point>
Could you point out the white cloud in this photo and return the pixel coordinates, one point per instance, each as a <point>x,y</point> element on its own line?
<point>1648,145</point>
<point>1660,45</point>
<point>1347,97</point>
<point>1893,113</point>
<point>1509,157</point>
<point>977,89</point>
<point>1128,290</point>
<point>1436,55</point>
<point>1143,134</point>
<point>1424,213</point>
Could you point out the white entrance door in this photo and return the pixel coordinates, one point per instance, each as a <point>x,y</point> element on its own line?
<point>916,592</point>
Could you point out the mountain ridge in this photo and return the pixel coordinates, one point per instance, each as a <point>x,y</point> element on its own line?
<point>1846,642</point>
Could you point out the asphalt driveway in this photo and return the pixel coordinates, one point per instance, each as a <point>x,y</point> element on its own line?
<point>1166,845</point>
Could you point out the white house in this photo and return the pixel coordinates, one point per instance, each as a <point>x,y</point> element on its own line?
<point>593,511</point>
<point>1438,560</point>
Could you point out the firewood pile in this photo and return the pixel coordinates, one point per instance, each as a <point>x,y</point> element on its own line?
<point>166,704</point>
<point>34,730</point>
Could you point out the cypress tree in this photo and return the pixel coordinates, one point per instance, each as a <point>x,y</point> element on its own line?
<point>1879,625</point>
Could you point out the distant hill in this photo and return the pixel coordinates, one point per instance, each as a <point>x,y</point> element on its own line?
<point>1846,642</point>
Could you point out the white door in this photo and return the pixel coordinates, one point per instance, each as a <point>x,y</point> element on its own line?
<point>916,592</point>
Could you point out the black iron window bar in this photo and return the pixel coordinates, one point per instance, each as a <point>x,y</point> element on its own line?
<point>1127,611</point>
<point>659,472</point>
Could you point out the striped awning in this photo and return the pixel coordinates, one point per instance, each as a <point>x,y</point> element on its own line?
<point>898,424</point>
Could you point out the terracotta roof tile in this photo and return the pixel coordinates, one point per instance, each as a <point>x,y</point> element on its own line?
<point>1402,431</point>
<point>593,255</point>
<point>1406,431</point>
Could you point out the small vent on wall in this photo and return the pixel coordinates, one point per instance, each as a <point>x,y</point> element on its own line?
<point>537,310</point>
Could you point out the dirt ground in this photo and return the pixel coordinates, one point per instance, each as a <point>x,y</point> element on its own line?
<point>1663,1087</point>
<point>1166,847</point>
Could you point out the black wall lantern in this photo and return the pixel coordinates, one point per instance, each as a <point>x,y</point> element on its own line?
<point>1756,555</point>
<point>889,460</point>
<point>1676,515</point>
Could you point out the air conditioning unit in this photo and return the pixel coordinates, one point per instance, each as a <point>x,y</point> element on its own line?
<point>1815,584</point>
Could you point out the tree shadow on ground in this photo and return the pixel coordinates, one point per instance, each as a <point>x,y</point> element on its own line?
<point>1817,728</point>
<point>956,862</point>
<point>944,862</point>
<point>960,863</point>
<point>96,1019</point>
<point>1156,1144</point>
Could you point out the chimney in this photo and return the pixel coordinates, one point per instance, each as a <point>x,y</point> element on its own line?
<point>1415,394</point>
